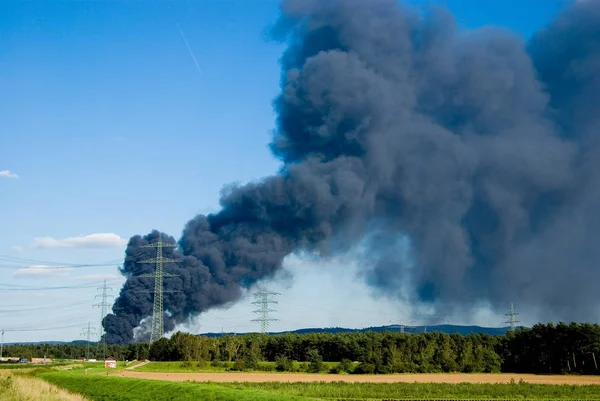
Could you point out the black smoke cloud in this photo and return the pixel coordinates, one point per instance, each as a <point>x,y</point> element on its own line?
<point>478,147</point>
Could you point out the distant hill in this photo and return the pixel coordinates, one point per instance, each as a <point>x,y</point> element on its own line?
<point>442,328</point>
<point>75,342</point>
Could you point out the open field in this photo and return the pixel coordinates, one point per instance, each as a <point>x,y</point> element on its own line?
<point>229,377</point>
<point>103,387</point>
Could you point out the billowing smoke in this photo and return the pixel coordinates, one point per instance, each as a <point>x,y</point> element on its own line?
<point>479,148</point>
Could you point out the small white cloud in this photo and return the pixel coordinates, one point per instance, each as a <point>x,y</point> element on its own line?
<point>92,241</point>
<point>8,174</point>
<point>43,271</point>
<point>17,248</point>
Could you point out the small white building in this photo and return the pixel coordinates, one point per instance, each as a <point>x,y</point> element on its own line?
<point>110,363</point>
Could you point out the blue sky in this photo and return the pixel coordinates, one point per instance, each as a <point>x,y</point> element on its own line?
<point>107,127</point>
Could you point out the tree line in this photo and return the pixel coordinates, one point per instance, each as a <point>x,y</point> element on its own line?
<point>543,348</point>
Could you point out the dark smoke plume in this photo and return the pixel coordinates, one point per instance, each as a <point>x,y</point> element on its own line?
<point>480,148</point>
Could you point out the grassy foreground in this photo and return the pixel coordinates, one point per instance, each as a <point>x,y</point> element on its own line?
<point>102,387</point>
<point>28,388</point>
<point>109,388</point>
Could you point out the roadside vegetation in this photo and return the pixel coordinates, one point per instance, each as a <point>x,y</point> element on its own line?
<point>25,387</point>
<point>218,366</point>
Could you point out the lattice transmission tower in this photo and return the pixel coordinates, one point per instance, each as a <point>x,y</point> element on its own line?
<point>158,326</point>
<point>263,300</point>
<point>88,332</point>
<point>103,305</point>
<point>512,317</point>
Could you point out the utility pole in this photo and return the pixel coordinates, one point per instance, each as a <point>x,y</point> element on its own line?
<point>88,332</point>
<point>1,344</point>
<point>103,305</point>
<point>263,301</point>
<point>512,317</point>
<point>158,326</point>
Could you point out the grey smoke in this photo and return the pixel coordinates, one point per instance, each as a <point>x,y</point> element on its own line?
<point>478,147</point>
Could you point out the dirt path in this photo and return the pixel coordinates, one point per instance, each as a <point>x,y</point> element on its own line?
<point>137,365</point>
<point>406,378</point>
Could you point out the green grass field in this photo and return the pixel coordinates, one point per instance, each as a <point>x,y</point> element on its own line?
<point>108,388</point>
<point>438,391</point>
<point>96,385</point>
<point>13,366</point>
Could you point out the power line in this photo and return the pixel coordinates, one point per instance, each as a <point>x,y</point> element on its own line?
<point>512,317</point>
<point>44,329</point>
<point>158,327</point>
<point>263,301</point>
<point>27,262</point>
<point>65,287</point>
<point>103,305</point>
<point>88,332</point>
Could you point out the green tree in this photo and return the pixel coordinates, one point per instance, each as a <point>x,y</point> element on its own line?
<point>315,362</point>
<point>162,350</point>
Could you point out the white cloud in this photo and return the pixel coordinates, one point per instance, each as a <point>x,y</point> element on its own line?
<point>43,271</point>
<point>92,241</point>
<point>17,248</point>
<point>8,174</point>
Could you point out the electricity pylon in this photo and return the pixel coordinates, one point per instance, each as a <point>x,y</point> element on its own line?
<point>512,317</point>
<point>88,332</point>
<point>158,326</point>
<point>263,301</point>
<point>103,305</point>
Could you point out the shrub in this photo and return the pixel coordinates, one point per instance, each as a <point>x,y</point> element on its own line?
<point>365,369</point>
<point>383,368</point>
<point>186,364</point>
<point>335,370</point>
<point>238,365</point>
<point>250,362</point>
<point>283,364</point>
<point>403,367</point>
<point>265,367</point>
<point>302,367</point>
<point>345,365</point>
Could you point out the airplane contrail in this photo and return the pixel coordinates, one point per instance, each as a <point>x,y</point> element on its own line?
<point>189,48</point>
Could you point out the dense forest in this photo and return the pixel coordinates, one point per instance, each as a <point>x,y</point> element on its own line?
<point>550,348</point>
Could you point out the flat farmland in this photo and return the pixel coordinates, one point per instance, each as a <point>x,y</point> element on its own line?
<point>97,385</point>
<point>451,378</point>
